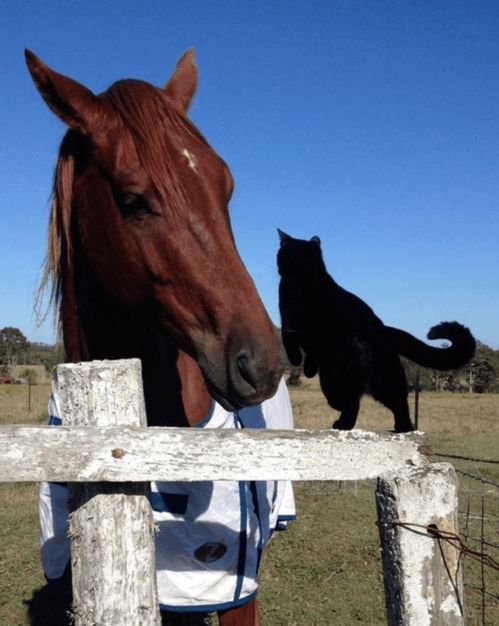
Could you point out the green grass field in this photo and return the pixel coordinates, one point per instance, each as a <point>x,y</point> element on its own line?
<point>325,569</point>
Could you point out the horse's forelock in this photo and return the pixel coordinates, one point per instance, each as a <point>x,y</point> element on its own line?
<point>148,122</point>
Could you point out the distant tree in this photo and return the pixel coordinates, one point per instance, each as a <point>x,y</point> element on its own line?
<point>30,375</point>
<point>13,345</point>
<point>495,365</point>
<point>47,355</point>
<point>482,377</point>
<point>4,369</point>
<point>53,357</point>
<point>415,374</point>
<point>483,372</point>
<point>441,380</point>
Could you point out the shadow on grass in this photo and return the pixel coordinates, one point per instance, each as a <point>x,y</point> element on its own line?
<point>50,606</point>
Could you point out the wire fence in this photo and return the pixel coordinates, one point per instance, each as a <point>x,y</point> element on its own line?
<point>479,530</point>
<point>488,566</point>
<point>478,539</point>
<point>479,523</point>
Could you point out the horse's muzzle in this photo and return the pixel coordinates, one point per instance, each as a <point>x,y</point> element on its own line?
<point>249,375</point>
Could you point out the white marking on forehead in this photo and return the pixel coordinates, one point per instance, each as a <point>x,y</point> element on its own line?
<point>190,159</point>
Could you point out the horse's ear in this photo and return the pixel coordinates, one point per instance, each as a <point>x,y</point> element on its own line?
<point>73,103</point>
<point>282,236</point>
<point>315,239</point>
<point>182,85</point>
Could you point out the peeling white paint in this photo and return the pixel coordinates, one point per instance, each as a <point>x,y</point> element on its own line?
<point>79,453</point>
<point>415,576</point>
<point>449,605</point>
<point>112,547</point>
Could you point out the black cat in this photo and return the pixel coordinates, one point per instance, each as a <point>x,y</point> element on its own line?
<point>347,344</point>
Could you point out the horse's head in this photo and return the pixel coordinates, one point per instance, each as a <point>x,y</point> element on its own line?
<point>148,197</point>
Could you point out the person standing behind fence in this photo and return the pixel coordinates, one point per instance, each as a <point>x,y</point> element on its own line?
<point>208,550</point>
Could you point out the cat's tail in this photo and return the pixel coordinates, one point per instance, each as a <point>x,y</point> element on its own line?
<point>458,354</point>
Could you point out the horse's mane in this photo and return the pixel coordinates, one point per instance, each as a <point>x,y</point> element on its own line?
<point>59,227</point>
<point>146,120</point>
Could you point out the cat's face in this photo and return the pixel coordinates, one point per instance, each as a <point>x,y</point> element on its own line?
<point>298,258</point>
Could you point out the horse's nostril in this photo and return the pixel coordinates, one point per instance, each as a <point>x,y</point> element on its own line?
<point>246,370</point>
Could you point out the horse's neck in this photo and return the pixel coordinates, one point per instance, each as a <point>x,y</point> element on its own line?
<point>196,400</point>
<point>174,388</point>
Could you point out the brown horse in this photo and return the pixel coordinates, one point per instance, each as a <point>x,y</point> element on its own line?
<point>142,257</point>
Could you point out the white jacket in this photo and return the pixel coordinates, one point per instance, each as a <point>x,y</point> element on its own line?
<point>211,534</point>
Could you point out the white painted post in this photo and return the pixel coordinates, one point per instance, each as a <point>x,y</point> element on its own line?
<point>423,579</point>
<point>111,527</point>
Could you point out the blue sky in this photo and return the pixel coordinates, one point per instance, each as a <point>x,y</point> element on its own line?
<point>373,124</point>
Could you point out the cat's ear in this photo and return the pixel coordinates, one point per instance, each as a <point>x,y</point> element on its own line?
<point>315,239</point>
<point>283,238</point>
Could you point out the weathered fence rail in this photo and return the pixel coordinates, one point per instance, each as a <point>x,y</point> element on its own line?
<point>125,453</point>
<point>103,440</point>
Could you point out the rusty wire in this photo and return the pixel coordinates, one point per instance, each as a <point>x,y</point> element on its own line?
<point>452,538</point>
<point>464,458</point>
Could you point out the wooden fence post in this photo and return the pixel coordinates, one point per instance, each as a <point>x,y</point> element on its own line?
<point>111,526</point>
<point>422,574</point>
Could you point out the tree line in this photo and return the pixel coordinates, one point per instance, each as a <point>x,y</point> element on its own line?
<point>480,376</point>
<point>15,349</point>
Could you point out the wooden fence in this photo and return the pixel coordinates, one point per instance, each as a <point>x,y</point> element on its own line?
<point>109,456</point>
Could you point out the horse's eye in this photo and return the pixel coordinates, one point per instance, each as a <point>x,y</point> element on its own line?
<point>133,205</point>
